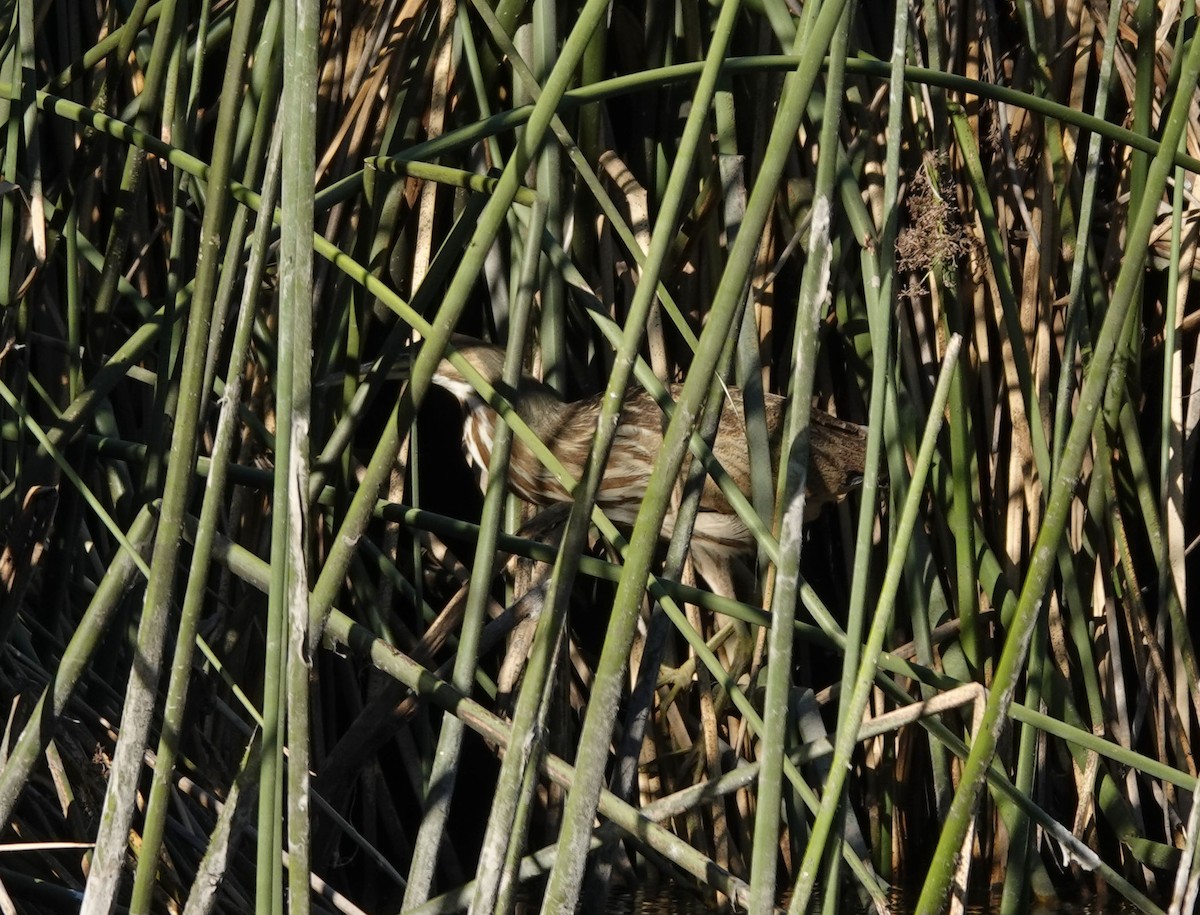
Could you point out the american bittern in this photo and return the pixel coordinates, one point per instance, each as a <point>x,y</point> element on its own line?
<point>836,451</point>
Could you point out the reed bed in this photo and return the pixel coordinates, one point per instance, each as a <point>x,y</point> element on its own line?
<point>264,642</point>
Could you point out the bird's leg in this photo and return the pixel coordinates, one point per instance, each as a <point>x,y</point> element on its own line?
<point>726,576</point>
<point>715,568</point>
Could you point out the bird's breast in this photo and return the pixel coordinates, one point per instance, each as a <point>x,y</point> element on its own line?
<point>478,430</point>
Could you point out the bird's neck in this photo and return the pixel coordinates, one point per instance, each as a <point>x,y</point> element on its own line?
<point>530,399</point>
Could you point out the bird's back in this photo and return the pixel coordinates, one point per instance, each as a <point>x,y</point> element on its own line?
<point>836,447</point>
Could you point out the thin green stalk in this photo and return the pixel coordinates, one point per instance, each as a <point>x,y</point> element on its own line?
<point>793,473</point>
<point>1075,301</point>
<point>10,72</point>
<point>881,339</point>
<point>1012,658</point>
<point>1184,648</point>
<point>1075,607</point>
<point>444,773</point>
<point>196,591</point>
<point>588,129</point>
<point>233,817</point>
<point>554,190</point>
<point>12,67</point>
<point>880,626</point>
<point>521,319</point>
<point>732,167</point>
<point>74,303</point>
<point>166,360</point>
<point>965,137</point>
<point>1144,96</point>
<point>120,232</point>
<point>113,835</point>
<point>268,895</point>
<point>1022,848</point>
<point>31,133</point>
<point>1171,576</point>
<point>290,507</point>
<point>880,265</point>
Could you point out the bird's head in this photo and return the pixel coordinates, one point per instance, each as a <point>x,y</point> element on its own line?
<point>486,359</point>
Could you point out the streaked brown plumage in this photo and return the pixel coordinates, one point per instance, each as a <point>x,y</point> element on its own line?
<point>837,448</point>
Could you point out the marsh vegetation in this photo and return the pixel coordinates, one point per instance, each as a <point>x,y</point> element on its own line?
<point>266,643</point>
